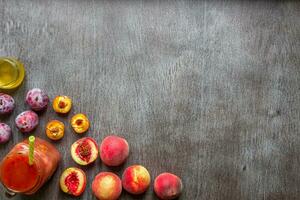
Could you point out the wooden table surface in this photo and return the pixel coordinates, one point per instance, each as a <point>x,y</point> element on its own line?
<point>207,90</point>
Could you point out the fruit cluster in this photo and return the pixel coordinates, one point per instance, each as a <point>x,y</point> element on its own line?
<point>113,151</point>
<point>28,120</point>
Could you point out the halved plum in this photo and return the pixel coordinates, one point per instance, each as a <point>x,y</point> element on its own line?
<point>80,123</point>
<point>84,151</point>
<point>62,104</point>
<point>73,181</point>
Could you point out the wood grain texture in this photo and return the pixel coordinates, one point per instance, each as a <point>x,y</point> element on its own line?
<point>208,90</point>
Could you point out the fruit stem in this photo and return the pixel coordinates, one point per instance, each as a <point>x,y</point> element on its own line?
<point>31,149</point>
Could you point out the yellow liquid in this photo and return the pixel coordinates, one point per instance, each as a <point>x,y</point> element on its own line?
<point>11,73</point>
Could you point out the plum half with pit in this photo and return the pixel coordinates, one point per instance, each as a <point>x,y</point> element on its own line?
<point>80,123</point>
<point>37,99</point>
<point>73,181</point>
<point>62,104</point>
<point>55,130</point>
<point>7,104</point>
<point>84,151</point>
<point>5,133</point>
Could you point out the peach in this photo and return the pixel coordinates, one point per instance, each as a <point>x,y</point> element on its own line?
<point>167,186</point>
<point>136,179</point>
<point>107,186</point>
<point>84,151</point>
<point>114,150</point>
<point>73,181</point>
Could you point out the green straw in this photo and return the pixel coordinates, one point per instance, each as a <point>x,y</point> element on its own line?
<point>31,149</point>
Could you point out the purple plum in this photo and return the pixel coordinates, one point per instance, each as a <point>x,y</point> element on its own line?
<point>27,121</point>
<point>5,133</point>
<point>37,99</point>
<point>7,104</point>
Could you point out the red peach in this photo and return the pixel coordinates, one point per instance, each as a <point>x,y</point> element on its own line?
<point>167,186</point>
<point>84,151</point>
<point>73,181</point>
<point>114,150</point>
<point>107,186</point>
<point>136,179</point>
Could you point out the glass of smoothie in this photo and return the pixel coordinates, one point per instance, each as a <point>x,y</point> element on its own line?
<point>20,174</point>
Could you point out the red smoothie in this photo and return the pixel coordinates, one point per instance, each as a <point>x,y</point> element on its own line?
<point>18,176</point>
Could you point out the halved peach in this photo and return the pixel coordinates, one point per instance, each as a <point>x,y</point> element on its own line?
<point>107,186</point>
<point>73,181</point>
<point>84,151</point>
<point>80,123</point>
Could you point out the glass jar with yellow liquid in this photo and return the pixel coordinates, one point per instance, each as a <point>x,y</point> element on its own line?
<point>11,73</point>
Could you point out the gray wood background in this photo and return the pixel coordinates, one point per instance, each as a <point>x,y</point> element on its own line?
<point>208,90</point>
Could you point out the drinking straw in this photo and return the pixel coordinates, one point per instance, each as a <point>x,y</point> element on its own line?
<point>31,140</point>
